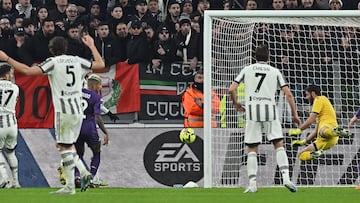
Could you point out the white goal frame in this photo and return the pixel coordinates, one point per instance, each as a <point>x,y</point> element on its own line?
<point>209,14</point>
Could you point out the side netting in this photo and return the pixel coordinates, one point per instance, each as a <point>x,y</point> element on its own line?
<point>315,48</point>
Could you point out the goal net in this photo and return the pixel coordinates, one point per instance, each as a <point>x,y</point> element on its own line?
<point>309,47</point>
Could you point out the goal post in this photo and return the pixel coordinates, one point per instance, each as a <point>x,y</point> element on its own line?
<point>309,47</point>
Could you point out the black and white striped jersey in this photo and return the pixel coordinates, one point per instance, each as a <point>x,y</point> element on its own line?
<point>261,83</point>
<point>66,75</point>
<point>9,93</point>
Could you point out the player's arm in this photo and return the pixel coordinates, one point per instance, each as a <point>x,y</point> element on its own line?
<point>354,118</point>
<point>101,125</point>
<point>233,95</point>
<point>22,68</point>
<point>98,62</point>
<point>309,121</point>
<point>290,99</point>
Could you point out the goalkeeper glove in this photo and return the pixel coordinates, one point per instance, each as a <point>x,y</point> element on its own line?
<point>297,143</point>
<point>294,132</point>
<point>112,116</point>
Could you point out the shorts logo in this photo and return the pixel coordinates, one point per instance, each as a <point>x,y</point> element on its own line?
<point>169,161</point>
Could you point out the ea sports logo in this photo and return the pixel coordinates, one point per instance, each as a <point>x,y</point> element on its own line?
<point>169,161</point>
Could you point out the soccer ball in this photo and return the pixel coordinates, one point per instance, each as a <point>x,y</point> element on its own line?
<point>187,135</point>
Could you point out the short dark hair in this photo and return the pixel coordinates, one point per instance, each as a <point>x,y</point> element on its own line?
<point>48,19</point>
<point>262,53</point>
<point>313,88</point>
<point>58,45</point>
<point>4,69</point>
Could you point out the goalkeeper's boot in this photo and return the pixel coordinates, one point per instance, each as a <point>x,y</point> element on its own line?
<point>61,175</point>
<point>85,182</point>
<point>64,191</point>
<point>290,186</point>
<point>341,132</point>
<point>316,154</point>
<point>98,182</point>
<point>251,189</point>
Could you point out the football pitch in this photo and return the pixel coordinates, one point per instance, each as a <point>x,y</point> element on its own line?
<point>184,195</point>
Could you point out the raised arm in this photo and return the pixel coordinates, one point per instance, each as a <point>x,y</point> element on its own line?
<point>22,68</point>
<point>98,62</point>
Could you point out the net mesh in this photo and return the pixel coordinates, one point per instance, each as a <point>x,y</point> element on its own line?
<point>322,51</point>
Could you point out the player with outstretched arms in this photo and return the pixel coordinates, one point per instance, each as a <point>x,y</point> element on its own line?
<point>261,84</point>
<point>9,93</point>
<point>65,75</point>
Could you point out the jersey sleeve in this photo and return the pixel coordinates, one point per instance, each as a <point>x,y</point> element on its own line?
<point>358,113</point>
<point>317,105</point>
<point>239,78</point>
<point>85,64</point>
<point>47,66</point>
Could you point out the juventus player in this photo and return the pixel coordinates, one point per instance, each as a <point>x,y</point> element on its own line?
<point>8,127</point>
<point>65,76</point>
<point>261,83</point>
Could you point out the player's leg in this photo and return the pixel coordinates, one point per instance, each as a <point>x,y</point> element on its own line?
<point>84,173</point>
<point>80,150</point>
<point>10,145</point>
<point>4,180</point>
<point>253,137</point>
<point>274,134</point>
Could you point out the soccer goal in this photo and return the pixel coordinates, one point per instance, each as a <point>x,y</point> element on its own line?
<point>309,47</point>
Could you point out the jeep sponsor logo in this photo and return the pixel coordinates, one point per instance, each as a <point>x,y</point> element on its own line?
<point>169,161</point>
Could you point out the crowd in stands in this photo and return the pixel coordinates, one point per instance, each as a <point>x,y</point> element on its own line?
<point>134,31</point>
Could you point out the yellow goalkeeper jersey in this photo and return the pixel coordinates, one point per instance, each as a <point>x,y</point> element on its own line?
<point>325,110</point>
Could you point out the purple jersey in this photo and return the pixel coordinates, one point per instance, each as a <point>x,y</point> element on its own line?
<point>358,113</point>
<point>92,106</point>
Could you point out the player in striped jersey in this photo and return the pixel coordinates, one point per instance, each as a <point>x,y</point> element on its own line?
<point>8,127</point>
<point>65,75</point>
<point>261,84</point>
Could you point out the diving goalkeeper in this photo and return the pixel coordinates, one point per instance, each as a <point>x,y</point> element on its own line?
<point>327,130</point>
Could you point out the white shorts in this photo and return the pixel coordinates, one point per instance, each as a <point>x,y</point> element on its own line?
<point>8,137</point>
<point>255,129</point>
<point>67,127</point>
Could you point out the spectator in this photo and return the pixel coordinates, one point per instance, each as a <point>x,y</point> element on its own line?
<point>94,22</point>
<point>172,16</point>
<point>94,10</point>
<point>308,5</point>
<point>41,14</point>
<point>75,47</point>
<point>16,42</point>
<point>59,12</point>
<point>135,50</point>
<point>278,4</point>
<point>291,4</point>
<point>25,8</point>
<point>104,44</point>
<point>193,103</point>
<point>154,11</point>
<point>6,8</point>
<point>36,50</point>
<point>202,6</point>
<point>323,4</point>
<point>335,4</point>
<point>18,19</point>
<point>122,37</point>
<point>29,27</point>
<point>187,7</point>
<point>143,15</point>
<point>128,8</point>
<point>72,14</point>
<point>187,41</point>
<point>226,5</point>
<point>116,16</point>
<point>251,5</point>
<point>6,32</point>
<point>164,49</point>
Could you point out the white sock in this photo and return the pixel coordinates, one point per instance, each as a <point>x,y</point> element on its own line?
<point>13,163</point>
<point>3,173</point>
<point>252,167</point>
<point>67,159</point>
<point>80,165</point>
<point>283,163</point>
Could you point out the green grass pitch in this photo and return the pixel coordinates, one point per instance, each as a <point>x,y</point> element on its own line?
<point>184,195</point>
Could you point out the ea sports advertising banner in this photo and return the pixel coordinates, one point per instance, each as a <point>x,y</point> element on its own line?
<point>120,93</point>
<point>161,90</point>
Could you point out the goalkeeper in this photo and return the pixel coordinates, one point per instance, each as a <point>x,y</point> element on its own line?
<point>327,131</point>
